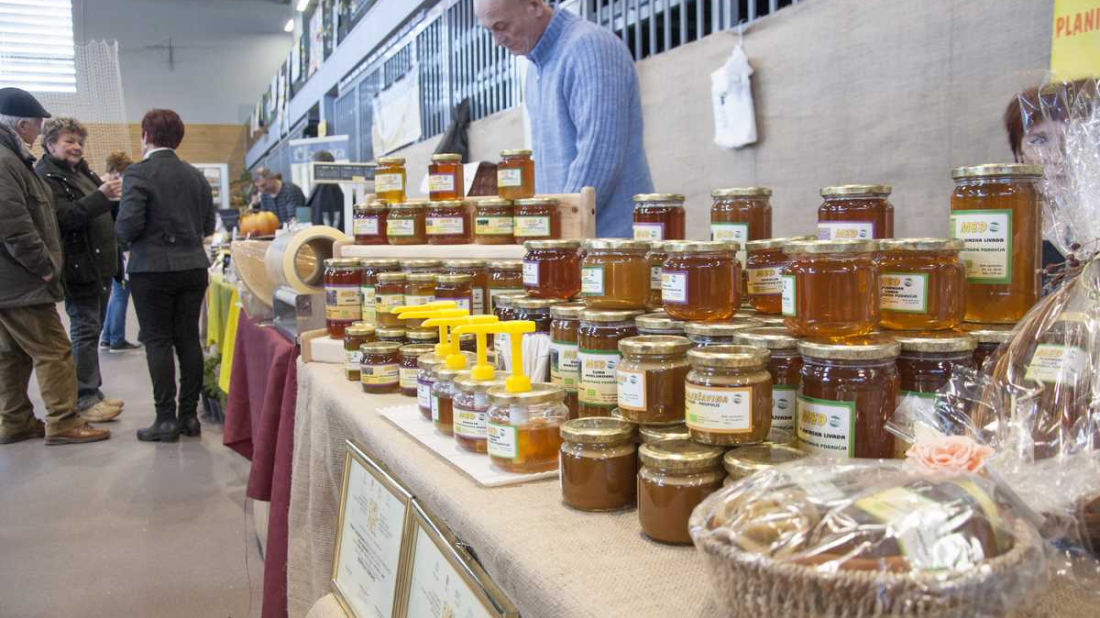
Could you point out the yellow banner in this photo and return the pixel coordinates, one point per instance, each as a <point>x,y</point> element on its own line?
<point>1075,39</point>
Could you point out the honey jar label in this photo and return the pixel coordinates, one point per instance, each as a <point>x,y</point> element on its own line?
<point>418,299</point>
<point>789,308</point>
<point>385,302</point>
<point>509,177</point>
<point>631,387</point>
<point>592,281</point>
<point>826,427</point>
<point>343,302</point>
<point>765,281</point>
<point>729,231</point>
<point>384,183</point>
<point>718,410</point>
<point>406,377</point>
<point>367,294</point>
<point>478,307</point>
<point>441,182</point>
<point>424,394</point>
<point>532,226</point>
<point>493,226</point>
<point>654,277</point>
<point>352,360</point>
<point>435,408</point>
<point>783,406</point>
<point>469,424</point>
<point>365,226</point>
<point>379,374</point>
<point>987,244</point>
<point>1056,364</point>
<point>649,231</point>
<point>401,227</point>
<point>501,441</point>
<point>445,226</point>
<point>674,286</point>
<point>565,367</point>
<point>530,273</point>
<point>599,384</point>
<point>904,292</point>
<point>845,230</point>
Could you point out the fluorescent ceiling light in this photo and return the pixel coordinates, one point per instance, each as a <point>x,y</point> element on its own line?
<point>302,4</point>
<point>289,27</point>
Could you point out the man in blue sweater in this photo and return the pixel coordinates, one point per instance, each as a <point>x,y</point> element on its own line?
<point>585,108</point>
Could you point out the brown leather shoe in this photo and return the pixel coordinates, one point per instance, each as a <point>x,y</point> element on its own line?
<point>100,413</point>
<point>79,435</point>
<point>35,431</point>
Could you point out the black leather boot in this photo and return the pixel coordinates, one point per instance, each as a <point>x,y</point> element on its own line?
<point>190,426</point>
<point>160,431</point>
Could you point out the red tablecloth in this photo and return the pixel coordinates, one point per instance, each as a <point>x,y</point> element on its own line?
<point>259,424</point>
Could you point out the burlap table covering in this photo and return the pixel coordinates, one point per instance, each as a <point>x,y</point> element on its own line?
<point>551,560</point>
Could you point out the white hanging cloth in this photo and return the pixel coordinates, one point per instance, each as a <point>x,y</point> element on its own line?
<point>731,96</point>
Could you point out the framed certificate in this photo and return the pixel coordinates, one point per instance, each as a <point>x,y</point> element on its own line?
<point>442,580</point>
<point>371,539</point>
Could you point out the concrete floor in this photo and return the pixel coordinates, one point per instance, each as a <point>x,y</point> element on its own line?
<point>125,528</point>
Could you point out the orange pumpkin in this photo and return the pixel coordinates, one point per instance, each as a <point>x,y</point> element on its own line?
<point>262,223</point>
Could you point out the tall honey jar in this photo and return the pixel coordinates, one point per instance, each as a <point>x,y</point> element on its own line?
<point>505,277</point>
<point>450,223</point>
<point>389,293</point>
<point>701,281</point>
<point>659,323</point>
<point>406,223</point>
<point>764,266</point>
<point>445,180</point>
<point>371,268</point>
<point>515,175</point>
<point>615,274</point>
<point>728,395</point>
<point>537,218</point>
<point>741,214</point>
<point>855,212</point>
<point>479,282</point>
<point>408,367</point>
<point>419,290</point>
<point>830,288</point>
<point>456,288</point>
<point>368,223</point>
<point>651,378</point>
<point>343,279</point>
<point>598,337</point>
<point>565,369</point>
<point>599,464</point>
<point>655,257</point>
<point>676,475</point>
<point>848,393</point>
<point>379,370</point>
<point>925,365</point>
<point>471,407</point>
<point>989,337</point>
<point>389,179</point>
<point>996,212</point>
<point>785,367</point>
<point>426,364</point>
<point>922,284</point>
<point>552,268</point>
<point>493,223</point>
<point>524,429</point>
<point>659,216</point>
<point>355,335</point>
<point>443,394</point>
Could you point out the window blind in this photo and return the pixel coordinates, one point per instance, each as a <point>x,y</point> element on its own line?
<point>36,45</point>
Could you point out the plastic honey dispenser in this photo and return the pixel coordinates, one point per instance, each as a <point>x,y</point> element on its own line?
<point>471,400</point>
<point>453,368</point>
<point>448,346</point>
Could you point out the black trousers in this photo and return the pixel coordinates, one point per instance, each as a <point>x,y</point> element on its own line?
<point>168,306</point>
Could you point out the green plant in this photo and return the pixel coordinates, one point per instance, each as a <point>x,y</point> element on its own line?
<point>211,372</point>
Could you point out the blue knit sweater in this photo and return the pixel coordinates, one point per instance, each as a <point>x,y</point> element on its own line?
<point>586,119</point>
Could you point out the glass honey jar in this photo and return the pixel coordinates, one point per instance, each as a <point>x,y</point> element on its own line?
<point>728,395</point>
<point>785,367</point>
<point>389,293</point>
<point>389,179</point>
<point>479,281</point>
<point>659,216</point>
<point>493,222</point>
<point>394,334</point>
<point>659,323</point>
<point>676,475</point>
<point>657,433</point>
<point>848,393</point>
<point>443,394</point>
<point>343,279</point>
<point>355,336</point>
<point>471,408</point>
<point>379,371</point>
<point>406,223</point>
<point>701,281</point>
<point>922,284</point>
<point>830,288</point>
<point>421,266</point>
<point>450,223</point>
<point>651,378</point>
<point>598,337</point>
<point>537,218</point>
<point>456,288</point>
<point>445,180</point>
<point>598,464</point>
<point>764,266</point>
<point>426,365</point>
<point>552,268</point>
<point>371,268</point>
<point>925,365</point>
<point>422,335</point>
<point>419,290</point>
<point>368,223</point>
<point>515,175</point>
<point>505,312</point>
<point>655,257</point>
<point>989,337</point>
<point>564,358</point>
<point>408,368</point>
<point>615,274</point>
<point>706,334</point>
<point>997,213</point>
<point>741,214</point>
<point>524,428</point>
<point>855,212</point>
<point>505,277</point>
<point>743,462</point>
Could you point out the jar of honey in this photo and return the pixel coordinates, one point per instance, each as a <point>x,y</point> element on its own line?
<point>997,213</point>
<point>741,463</point>
<point>765,262</point>
<point>493,222</point>
<point>504,312</point>
<point>676,475</point>
<point>379,370</point>
<point>658,433</point>
<point>565,369</point>
<point>471,407</point>
<point>848,393</point>
<point>408,367</point>
<point>989,337</point>
<point>456,288</point>
<point>422,335</point>
<point>655,257</point>
<point>419,290</point>
<point>389,293</point>
<point>538,218</point>
<point>406,224</point>
<point>659,216</point>
<point>389,179</point>
<point>599,464</point>
<point>450,223</point>
<point>355,336</point>
<point>701,281</point>
<point>651,378</point>
<point>659,323</point>
<point>445,180</point>
<point>830,288</point>
<point>728,395</point>
<point>922,284</point>
<point>706,334</point>
<point>343,278</point>
<point>741,214</point>
<point>855,212</point>
<point>598,352</point>
<point>426,365</point>
<point>925,365</point>
<point>615,274</point>
<point>371,268</point>
<point>505,277</point>
<point>479,282</point>
<point>389,334</point>
<point>369,223</point>
<point>421,266</point>
<point>443,394</point>
<point>515,175</point>
<point>552,268</point>
<point>524,428</point>
<point>785,367</point>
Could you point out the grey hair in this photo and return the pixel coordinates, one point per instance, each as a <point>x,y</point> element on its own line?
<point>12,122</point>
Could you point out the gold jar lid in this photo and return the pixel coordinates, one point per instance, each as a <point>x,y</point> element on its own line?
<point>390,332</point>
<point>658,197</point>
<point>380,347</point>
<point>870,347</point>
<point>990,333</point>
<point>768,337</point>
<point>359,329</point>
<point>935,342</point>
<point>729,357</point>
<point>466,264</point>
<point>409,205</point>
<point>430,361</point>
<point>421,277</point>
<point>742,192</point>
<point>448,204</point>
<point>716,329</point>
<point>422,334</point>
<point>416,350</point>
<point>490,202</point>
<point>508,300</point>
<point>567,311</point>
<point>420,264</point>
<point>506,265</point>
<point>680,456</point>
<point>454,279</point>
<point>771,320</point>
<point>920,244</point>
<point>444,374</point>
<point>657,433</point>
<point>467,384</point>
<point>654,345</point>
<point>390,161</point>
<point>615,244</point>
<point>540,393</point>
<point>519,152</point>
<point>349,263</point>
<point>609,315</point>
<point>379,263</point>
<point>658,246</point>
<point>659,321</point>
<point>771,244</point>
<point>855,190</point>
<point>597,430</point>
<point>702,246</point>
<point>376,205</point>
<point>526,302</point>
<point>447,157</point>
<point>748,460</point>
<point>537,201</point>
<point>391,277</point>
<point>989,170</point>
<point>831,246</point>
<point>565,245</point>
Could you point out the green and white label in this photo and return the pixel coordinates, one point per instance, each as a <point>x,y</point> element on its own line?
<point>599,383</point>
<point>904,292</point>
<point>493,225</point>
<point>790,308</point>
<point>827,427</point>
<point>592,281</point>
<point>987,244</point>
<point>502,441</point>
<point>509,177</point>
<point>384,183</point>
<point>401,227</point>
<point>1056,364</point>
<point>365,226</point>
<point>784,400</point>
<point>729,231</point>
<point>654,277</point>
<point>674,287</point>
<point>565,368</point>
<point>765,281</point>
<point>532,226</point>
